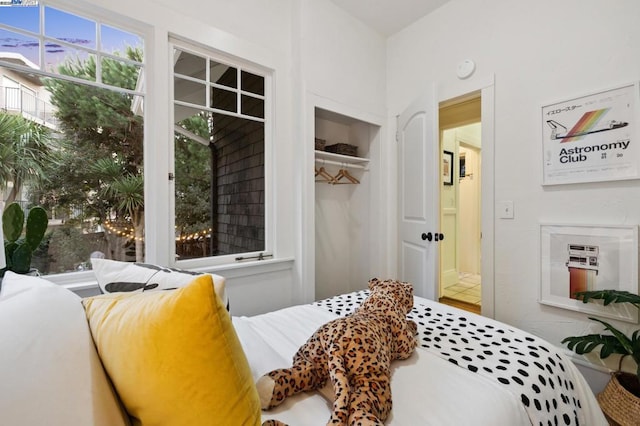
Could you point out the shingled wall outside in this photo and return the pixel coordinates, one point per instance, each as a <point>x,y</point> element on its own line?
<point>240,170</point>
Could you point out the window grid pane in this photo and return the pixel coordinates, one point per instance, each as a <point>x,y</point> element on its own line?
<point>21,44</point>
<point>69,28</point>
<point>252,83</point>
<point>24,18</point>
<point>225,100</point>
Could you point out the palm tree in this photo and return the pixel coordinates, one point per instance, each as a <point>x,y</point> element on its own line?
<point>25,149</point>
<point>126,190</point>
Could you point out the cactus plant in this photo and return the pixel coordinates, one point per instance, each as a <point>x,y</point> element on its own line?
<point>18,251</point>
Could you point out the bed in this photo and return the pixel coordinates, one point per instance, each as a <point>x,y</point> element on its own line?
<point>467,369</point>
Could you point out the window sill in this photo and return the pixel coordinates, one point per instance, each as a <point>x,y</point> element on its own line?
<point>249,268</point>
<point>85,281</point>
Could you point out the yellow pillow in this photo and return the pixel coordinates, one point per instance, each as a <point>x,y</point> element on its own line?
<point>174,357</point>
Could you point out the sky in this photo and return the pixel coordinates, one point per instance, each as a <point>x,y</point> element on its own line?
<point>58,25</point>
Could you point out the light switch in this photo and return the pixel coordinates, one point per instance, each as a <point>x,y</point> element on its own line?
<point>505,209</point>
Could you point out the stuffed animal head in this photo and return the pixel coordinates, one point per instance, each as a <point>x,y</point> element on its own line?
<point>401,292</point>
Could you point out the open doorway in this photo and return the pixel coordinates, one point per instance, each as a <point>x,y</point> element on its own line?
<point>461,202</point>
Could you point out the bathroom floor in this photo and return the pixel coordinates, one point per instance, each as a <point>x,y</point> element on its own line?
<point>466,290</point>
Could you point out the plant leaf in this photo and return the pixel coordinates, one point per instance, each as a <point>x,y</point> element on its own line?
<point>609,296</point>
<point>585,344</point>
<point>624,340</point>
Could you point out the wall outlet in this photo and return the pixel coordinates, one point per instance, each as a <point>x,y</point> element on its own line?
<point>505,209</point>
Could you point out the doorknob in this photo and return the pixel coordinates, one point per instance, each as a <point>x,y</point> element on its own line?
<point>435,236</point>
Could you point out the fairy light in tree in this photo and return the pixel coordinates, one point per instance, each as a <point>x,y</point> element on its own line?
<point>125,231</point>
<point>206,233</point>
<point>129,232</point>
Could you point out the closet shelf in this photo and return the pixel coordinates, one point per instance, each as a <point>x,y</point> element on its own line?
<point>339,159</point>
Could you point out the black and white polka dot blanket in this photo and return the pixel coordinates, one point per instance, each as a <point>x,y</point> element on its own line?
<point>526,365</point>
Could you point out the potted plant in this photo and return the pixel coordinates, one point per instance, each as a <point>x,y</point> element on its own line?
<point>620,400</point>
<point>18,249</point>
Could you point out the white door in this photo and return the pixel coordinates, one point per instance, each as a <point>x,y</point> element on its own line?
<point>470,206</point>
<point>418,210</point>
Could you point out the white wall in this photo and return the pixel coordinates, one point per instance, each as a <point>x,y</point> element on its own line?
<point>342,69</point>
<point>539,52</point>
<point>341,58</point>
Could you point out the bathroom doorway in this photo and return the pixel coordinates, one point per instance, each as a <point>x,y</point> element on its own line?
<point>460,203</point>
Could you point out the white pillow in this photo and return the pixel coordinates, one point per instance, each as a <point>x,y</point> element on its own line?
<point>114,276</point>
<point>50,373</point>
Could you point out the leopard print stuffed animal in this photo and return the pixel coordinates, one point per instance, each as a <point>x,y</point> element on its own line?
<point>355,352</point>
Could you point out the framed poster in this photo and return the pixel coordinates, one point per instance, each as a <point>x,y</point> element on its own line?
<point>584,258</point>
<point>447,167</point>
<point>591,138</point>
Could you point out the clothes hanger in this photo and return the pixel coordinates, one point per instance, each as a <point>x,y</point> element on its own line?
<point>350,177</point>
<point>324,175</point>
<point>344,173</point>
<point>338,177</point>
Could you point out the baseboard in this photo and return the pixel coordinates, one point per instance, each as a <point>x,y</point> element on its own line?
<point>469,307</point>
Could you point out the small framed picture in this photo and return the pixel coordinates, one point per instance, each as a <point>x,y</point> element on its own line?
<point>577,258</point>
<point>447,167</point>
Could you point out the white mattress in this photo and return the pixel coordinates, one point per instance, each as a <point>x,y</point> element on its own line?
<point>427,389</point>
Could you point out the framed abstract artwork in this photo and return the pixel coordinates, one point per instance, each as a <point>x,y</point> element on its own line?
<point>585,258</point>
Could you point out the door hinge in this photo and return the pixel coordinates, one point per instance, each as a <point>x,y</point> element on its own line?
<point>171,176</point>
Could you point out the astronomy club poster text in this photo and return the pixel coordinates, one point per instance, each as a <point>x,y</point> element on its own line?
<point>591,138</point>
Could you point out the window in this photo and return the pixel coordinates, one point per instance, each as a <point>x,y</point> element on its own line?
<point>79,83</point>
<point>219,155</point>
<point>76,148</point>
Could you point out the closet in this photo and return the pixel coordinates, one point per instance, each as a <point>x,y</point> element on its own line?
<point>345,188</point>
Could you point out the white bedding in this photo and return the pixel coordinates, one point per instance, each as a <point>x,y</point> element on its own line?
<point>427,388</point>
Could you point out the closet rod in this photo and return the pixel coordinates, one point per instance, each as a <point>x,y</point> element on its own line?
<point>345,165</point>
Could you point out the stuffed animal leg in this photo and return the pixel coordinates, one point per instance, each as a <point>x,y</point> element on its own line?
<point>405,342</point>
<point>362,396</point>
<point>279,384</point>
<point>273,423</point>
<point>370,402</point>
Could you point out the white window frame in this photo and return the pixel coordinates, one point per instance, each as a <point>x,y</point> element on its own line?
<point>86,279</point>
<point>159,148</point>
<point>176,42</point>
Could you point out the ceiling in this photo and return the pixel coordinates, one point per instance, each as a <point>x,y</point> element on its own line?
<point>389,16</point>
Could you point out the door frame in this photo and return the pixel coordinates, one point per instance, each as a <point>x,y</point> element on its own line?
<point>487,187</point>
<point>486,87</point>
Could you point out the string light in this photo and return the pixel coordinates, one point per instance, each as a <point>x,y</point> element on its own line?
<point>195,235</point>
<point>129,232</point>
<point>125,231</point>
